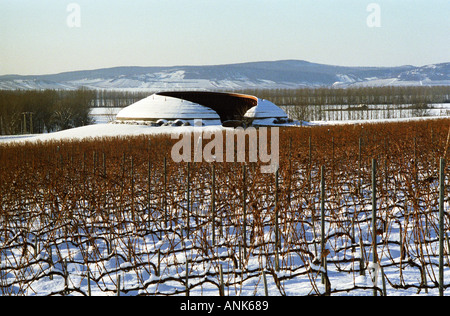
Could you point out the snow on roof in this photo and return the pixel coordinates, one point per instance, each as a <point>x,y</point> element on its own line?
<point>265,109</point>
<point>157,107</point>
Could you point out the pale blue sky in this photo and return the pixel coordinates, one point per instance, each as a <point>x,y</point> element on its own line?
<point>35,37</point>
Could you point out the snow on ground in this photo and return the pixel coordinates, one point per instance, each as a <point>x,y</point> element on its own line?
<point>106,130</point>
<point>376,121</point>
<point>295,282</point>
<point>114,130</point>
<point>102,115</point>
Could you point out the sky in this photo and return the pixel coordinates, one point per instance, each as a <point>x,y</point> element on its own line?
<point>53,36</point>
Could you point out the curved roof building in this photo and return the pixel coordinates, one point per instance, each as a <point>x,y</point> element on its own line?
<point>265,109</point>
<point>158,107</point>
<point>214,108</point>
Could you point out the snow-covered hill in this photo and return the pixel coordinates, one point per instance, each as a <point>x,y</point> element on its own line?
<point>270,74</point>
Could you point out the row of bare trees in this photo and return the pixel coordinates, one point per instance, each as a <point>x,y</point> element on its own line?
<point>38,111</point>
<point>117,99</point>
<point>354,96</point>
<point>324,103</point>
<point>311,96</point>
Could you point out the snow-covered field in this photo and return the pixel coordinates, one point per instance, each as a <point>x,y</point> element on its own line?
<point>147,257</point>
<point>101,130</point>
<point>367,113</point>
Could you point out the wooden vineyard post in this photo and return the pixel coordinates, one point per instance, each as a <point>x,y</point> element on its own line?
<point>310,161</point>
<point>361,260</point>
<point>374,216</point>
<point>244,206</point>
<point>89,281</point>
<point>322,223</point>
<point>290,172</point>
<point>119,279</point>
<point>50,255</point>
<point>383,280</point>
<point>332,160</point>
<point>441,225</point>
<point>132,188</point>
<point>213,205</point>
<point>446,145</point>
<point>360,167</point>
<point>276,210</point>
<point>266,291</point>
<point>66,278</point>
<point>188,197</point>
<point>221,284</point>
<point>310,197</point>
<point>165,193</point>
<point>158,266</point>
<point>277,233</point>
<point>187,277</point>
<point>149,185</point>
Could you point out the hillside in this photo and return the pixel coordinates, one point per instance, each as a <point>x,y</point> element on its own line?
<point>269,74</point>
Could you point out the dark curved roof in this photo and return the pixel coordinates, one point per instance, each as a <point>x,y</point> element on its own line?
<point>229,106</point>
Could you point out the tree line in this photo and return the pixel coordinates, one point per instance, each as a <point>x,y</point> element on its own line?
<point>328,103</point>
<point>39,111</point>
<point>392,95</point>
<point>117,98</point>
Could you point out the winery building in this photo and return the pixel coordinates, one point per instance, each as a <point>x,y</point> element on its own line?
<point>213,108</point>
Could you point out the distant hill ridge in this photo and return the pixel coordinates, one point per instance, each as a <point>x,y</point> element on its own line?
<point>265,74</point>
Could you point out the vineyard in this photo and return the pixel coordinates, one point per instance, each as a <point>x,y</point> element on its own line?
<point>116,216</point>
